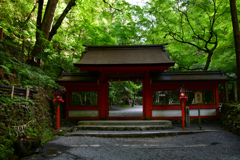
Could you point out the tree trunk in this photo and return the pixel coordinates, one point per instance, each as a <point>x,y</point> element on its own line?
<point>39,18</point>
<point>236,39</point>
<point>45,26</point>
<point>210,53</point>
<point>48,17</point>
<point>60,19</point>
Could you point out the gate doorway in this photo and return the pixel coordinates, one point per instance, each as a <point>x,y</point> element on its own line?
<point>125,99</point>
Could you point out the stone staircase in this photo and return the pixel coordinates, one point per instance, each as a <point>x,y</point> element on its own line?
<point>124,125</point>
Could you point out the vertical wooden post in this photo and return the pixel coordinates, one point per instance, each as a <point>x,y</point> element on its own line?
<point>217,101</point>
<point>27,93</point>
<point>103,97</point>
<point>147,96</point>
<point>226,92</point>
<point>58,116</point>
<point>67,102</point>
<point>187,115</point>
<point>12,92</point>
<point>1,33</point>
<point>183,114</point>
<point>235,91</point>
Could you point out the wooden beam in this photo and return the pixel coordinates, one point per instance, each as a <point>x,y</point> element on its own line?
<point>27,93</point>
<point>12,92</point>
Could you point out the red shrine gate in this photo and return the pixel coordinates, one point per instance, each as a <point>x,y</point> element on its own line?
<point>87,91</point>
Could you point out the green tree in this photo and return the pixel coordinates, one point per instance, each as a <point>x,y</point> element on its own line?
<point>194,23</point>
<point>124,92</point>
<point>45,31</point>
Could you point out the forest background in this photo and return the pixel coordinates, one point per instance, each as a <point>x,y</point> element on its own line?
<point>199,34</point>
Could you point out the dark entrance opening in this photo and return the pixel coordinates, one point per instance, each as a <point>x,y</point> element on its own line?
<point>125,99</point>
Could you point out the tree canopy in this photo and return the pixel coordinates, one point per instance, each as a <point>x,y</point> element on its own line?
<point>199,33</point>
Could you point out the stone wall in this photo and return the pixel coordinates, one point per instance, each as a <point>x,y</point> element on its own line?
<point>32,119</point>
<point>230,118</point>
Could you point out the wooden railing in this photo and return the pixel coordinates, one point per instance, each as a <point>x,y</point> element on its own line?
<point>11,91</point>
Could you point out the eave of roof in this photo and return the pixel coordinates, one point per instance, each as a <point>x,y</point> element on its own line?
<point>197,76</point>
<point>78,78</point>
<point>131,55</point>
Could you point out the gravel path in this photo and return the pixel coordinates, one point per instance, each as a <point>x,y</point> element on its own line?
<point>219,145</point>
<point>117,111</point>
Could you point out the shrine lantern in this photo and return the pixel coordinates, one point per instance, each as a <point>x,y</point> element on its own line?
<point>58,95</point>
<point>183,94</point>
<point>183,97</point>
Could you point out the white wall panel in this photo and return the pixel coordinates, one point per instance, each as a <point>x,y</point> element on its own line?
<point>178,113</point>
<point>167,113</point>
<point>203,112</point>
<point>83,113</point>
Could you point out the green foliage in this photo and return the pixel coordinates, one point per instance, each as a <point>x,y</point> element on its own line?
<point>9,101</point>
<point>230,117</point>
<point>94,22</point>
<point>20,118</point>
<point>122,92</point>
<point>6,150</point>
<point>24,75</point>
<point>7,70</point>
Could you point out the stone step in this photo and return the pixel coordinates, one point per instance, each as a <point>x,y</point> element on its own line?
<point>134,134</point>
<point>126,122</point>
<point>124,125</point>
<point>123,128</point>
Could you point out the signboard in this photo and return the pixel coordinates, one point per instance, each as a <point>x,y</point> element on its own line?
<point>198,97</point>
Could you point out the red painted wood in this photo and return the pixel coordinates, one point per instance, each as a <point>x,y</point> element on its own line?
<point>67,102</point>
<point>183,102</point>
<point>106,100</point>
<point>125,68</point>
<point>79,84</point>
<point>147,99</point>
<point>217,101</point>
<point>103,96</point>
<point>103,86</point>
<point>183,117</point>
<point>58,116</point>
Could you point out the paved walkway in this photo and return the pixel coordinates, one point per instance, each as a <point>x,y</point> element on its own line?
<point>117,111</point>
<point>217,145</point>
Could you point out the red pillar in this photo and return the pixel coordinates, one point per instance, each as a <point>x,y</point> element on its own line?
<point>217,101</point>
<point>67,102</point>
<point>147,96</point>
<point>183,101</point>
<point>58,116</point>
<point>103,96</point>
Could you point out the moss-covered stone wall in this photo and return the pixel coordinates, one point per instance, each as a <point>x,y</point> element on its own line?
<point>230,118</point>
<point>26,119</point>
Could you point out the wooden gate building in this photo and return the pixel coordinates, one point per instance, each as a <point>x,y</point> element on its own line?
<point>146,63</point>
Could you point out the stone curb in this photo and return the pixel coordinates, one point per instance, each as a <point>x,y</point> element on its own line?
<point>137,134</point>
